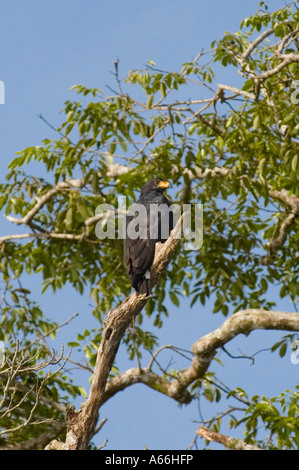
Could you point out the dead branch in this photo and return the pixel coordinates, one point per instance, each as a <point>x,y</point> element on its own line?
<point>16,394</point>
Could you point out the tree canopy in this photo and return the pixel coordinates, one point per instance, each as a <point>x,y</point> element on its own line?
<point>232,147</point>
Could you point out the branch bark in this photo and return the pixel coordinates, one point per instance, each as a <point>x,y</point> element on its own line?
<point>204,350</point>
<point>227,441</point>
<point>242,322</point>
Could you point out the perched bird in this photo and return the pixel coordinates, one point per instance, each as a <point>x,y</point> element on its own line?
<point>150,221</point>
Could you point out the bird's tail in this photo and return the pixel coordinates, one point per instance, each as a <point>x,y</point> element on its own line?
<point>143,287</point>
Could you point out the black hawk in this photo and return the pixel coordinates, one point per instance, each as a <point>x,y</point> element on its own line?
<point>149,221</point>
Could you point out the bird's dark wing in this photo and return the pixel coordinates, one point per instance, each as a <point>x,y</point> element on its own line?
<point>165,220</point>
<point>139,255</point>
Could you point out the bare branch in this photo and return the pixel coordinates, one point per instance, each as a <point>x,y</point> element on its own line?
<point>287,59</point>
<point>257,41</point>
<point>285,197</point>
<point>242,322</point>
<point>248,95</point>
<point>154,356</point>
<point>227,441</point>
<point>146,377</point>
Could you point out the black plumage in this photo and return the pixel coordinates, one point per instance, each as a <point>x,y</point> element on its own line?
<point>150,221</point>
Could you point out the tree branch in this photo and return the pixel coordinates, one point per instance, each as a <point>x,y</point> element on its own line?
<point>248,95</point>
<point>227,441</point>
<point>146,377</point>
<point>287,59</point>
<point>243,322</point>
<point>204,350</point>
<point>83,423</point>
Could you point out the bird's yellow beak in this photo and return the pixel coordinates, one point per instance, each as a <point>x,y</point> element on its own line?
<point>164,184</point>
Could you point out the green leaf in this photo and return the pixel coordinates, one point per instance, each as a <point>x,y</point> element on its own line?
<point>256,123</point>
<point>295,162</point>
<point>283,349</point>
<point>150,101</point>
<point>14,297</point>
<point>95,182</point>
<point>163,89</point>
<point>82,208</point>
<point>174,299</point>
<point>69,219</point>
<point>112,147</point>
<point>289,118</point>
<point>82,391</point>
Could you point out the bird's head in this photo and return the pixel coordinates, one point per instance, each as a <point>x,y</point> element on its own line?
<point>156,184</point>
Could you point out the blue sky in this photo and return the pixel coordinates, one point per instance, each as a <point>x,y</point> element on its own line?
<point>46,47</point>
